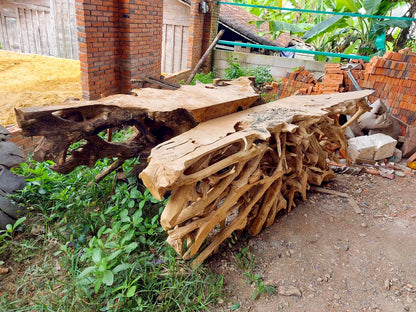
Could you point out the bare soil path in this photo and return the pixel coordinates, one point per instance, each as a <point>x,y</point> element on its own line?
<point>337,259</point>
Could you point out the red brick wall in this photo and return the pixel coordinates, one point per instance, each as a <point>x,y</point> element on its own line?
<point>98,26</point>
<point>118,40</point>
<point>140,40</point>
<point>202,30</point>
<point>210,31</point>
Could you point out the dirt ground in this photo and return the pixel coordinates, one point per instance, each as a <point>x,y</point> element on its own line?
<point>337,259</point>
<point>35,80</point>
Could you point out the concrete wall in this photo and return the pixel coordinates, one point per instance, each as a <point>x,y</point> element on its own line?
<point>279,66</point>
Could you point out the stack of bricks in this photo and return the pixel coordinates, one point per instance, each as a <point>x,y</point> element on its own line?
<point>333,80</point>
<point>393,77</point>
<point>301,81</point>
<point>26,144</point>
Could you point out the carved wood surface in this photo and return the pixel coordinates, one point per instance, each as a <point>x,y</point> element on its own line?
<point>238,171</point>
<point>157,115</point>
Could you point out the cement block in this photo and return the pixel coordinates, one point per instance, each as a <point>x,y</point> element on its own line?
<point>361,147</point>
<point>259,60</point>
<point>385,145</point>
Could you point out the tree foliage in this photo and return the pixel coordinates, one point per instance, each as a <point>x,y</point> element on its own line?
<point>335,33</point>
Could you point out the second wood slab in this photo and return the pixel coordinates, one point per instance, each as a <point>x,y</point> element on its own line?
<point>236,172</point>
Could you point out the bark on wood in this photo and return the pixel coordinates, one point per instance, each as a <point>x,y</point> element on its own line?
<point>238,171</point>
<point>157,115</point>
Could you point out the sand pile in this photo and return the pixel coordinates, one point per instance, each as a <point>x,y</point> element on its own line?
<point>35,80</point>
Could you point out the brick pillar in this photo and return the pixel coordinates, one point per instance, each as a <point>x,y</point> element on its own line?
<point>118,40</point>
<point>97,23</point>
<point>210,31</point>
<point>140,40</point>
<point>202,30</point>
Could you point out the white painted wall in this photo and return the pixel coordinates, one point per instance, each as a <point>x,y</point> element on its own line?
<point>175,13</point>
<point>279,66</point>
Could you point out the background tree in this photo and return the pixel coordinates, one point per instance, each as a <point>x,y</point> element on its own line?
<point>335,33</point>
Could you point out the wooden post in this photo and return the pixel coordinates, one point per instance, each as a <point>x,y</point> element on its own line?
<point>204,57</point>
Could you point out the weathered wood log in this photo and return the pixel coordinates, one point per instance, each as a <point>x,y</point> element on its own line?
<point>157,115</point>
<point>238,171</point>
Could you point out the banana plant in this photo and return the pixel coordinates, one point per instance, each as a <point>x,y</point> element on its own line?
<point>333,33</point>
<point>370,32</point>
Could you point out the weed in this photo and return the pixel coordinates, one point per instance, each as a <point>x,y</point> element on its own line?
<point>260,287</point>
<point>246,261</point>
<point>203,78</point>
<point>235,70</point>
<point>8,233</point>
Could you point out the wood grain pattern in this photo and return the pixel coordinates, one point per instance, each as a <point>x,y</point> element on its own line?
<point>156,116</point>
<point>238,171</point>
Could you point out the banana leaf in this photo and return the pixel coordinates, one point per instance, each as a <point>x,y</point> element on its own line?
<point>321,27</point>
<point>371,6</point>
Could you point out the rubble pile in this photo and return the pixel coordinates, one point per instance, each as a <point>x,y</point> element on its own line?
<point>392,76</point>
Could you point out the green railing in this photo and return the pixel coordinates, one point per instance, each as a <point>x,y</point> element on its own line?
<point>273,48</point>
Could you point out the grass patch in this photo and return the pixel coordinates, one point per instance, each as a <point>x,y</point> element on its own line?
<point>98,248</point>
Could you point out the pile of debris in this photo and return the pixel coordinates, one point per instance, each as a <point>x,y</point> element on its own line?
<point>375,136</point>
<point>392,76</point>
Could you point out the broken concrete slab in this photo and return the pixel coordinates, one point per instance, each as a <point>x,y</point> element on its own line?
<point>385,145</point>
<point>10,154</point>
<point>378,120</point>
<point>361,147</point>
<point>371,147</point>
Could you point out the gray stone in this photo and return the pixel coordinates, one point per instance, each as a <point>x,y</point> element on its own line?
<point>289,291</point>
<point>10,182</point>
<point>5,219</point>
<point>4,133</point>
<point>11,209</point>
<point>10,154</point>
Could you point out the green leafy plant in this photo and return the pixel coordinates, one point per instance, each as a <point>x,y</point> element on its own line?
<point>108,239</point>
<point>8,233</point>
<point>235,70</point>
<point>336,33</point>
<point>260,287</point>
<point>203,78</point>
